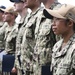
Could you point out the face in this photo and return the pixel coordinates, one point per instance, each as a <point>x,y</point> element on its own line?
<point>30,3</point>
<point>7,17</point>
<point>1,16</point>
<point>18,6</point>
<point>44,1</point>
<point>59,26</point>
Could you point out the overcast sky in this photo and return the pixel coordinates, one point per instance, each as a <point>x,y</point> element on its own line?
<point>7,3</point>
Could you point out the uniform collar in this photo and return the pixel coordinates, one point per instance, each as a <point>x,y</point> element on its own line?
<point>38,9</point>
<point>54,4</point>
<point>58,53</point>
<point>22,19</point>
<point>1,24</point>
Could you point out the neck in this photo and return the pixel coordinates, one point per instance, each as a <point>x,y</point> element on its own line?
<point>10,23</point>
<point>66,37</point>
<point>48,3</point>
<point>23,12</point>
<point>35,8</point>
<point>1,20</point>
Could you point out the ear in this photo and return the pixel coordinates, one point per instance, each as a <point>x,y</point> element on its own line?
<point>70,23</point>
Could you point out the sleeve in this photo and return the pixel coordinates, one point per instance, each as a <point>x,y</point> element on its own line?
<point>2,29</point>
<point>73,63</point>
<point>12,34</point>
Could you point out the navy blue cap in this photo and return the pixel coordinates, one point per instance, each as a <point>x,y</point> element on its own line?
<point>2,7</point>
<point>16,1</point>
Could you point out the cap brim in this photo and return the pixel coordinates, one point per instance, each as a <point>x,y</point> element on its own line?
<point>46,14</point>
<point>2,9</point>
<point>52,13</point>
<point>15,1</point>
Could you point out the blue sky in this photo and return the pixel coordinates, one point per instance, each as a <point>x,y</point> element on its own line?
<point>7,3</point>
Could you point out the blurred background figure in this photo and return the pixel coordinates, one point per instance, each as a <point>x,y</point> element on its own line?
<point>45,39</point>
<point>2,42</point>
<point>63,56</point>
<point>19,6</point>
<point>1,24</point>
<point>10,31</point>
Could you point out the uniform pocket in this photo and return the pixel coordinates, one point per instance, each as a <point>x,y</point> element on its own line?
<point>45,28</point>
<point>30,27</point>
<point>63,69</point>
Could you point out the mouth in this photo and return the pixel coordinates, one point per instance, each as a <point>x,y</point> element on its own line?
<point>54,29</point>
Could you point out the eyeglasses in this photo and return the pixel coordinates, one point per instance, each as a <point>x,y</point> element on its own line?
<point>8,13</point>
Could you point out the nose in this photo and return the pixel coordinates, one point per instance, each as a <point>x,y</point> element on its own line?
<point>14,4</point>
<point>3,15</point>
<point>24,0</point>
<point>53,23</point>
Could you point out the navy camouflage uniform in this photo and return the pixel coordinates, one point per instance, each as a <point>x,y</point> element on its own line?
<point>63,60</point>
<point>10,39</point>
<point>18,44</point>
<point>2,42</point>
<point>28,42</point>
<point>45,40</point>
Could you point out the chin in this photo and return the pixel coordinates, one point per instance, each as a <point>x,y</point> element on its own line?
<point>4,20</point>
<point>56,33</point>
<point>16,10</point>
